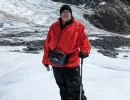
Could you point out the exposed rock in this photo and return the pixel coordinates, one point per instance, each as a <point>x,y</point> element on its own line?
<point>110,15</point>
<point>107,44</point>
<point>35,45</point>
<point>1,24</point>
<point>113,16</point>
<point>111,54</point>
<point>125,56</point>
<point>31,45</point>
<point>110,42</point>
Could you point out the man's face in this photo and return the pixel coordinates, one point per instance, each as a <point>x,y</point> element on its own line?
<point>65,15</point>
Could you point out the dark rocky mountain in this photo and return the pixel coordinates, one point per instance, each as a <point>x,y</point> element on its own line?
<point>110,15</point>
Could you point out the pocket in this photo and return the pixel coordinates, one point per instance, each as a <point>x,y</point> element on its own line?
<point>73,76</point>
<point>77,68</point>
<point>74,71</point>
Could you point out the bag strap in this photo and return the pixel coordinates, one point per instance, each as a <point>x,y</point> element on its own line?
<point>60,35</point>
<point>58,40</point>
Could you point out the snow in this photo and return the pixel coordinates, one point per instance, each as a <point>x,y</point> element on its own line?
<point>127,36</point>
<point>11,48</point>
<point>20,78</point>
<point>124,52</point>
<point>102,3</point>
<point>111,63</point>
<point>0,29</point>
<point>94,38</point>
<point>34,11</point>
<point>123,48</point>
<point>22,75</point>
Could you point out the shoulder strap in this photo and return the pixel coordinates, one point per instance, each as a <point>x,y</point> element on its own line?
<point>58,40</point>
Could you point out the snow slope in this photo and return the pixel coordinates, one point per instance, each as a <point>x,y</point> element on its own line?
<point>27,13</point>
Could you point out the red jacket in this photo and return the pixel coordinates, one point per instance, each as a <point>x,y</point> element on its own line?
<point>73,39</point>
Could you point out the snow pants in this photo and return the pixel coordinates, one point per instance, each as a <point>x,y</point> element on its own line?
<point>68,81</point>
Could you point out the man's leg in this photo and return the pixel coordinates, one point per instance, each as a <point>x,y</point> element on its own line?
<point>61,82</point>
<point>73,78</point>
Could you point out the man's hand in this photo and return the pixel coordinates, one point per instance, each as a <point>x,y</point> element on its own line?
<point>47,67</point>
<point>83,54</point>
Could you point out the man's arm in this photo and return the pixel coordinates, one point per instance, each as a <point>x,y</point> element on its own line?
<point>83,41</point>
<point>46,47</point>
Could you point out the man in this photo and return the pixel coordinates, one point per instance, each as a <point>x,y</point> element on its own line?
<point>69,36</point>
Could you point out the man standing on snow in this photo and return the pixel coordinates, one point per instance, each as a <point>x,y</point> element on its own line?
<point>66,43</point>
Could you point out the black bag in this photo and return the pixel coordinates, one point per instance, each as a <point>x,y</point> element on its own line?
<point>58,57</point>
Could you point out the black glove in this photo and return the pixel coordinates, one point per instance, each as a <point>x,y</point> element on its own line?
<point>47,67</point>
<point>83,54</point>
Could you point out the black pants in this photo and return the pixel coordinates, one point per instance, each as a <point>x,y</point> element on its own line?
<point>68,81</point>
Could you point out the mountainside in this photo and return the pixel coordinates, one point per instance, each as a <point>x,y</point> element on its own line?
<point>110,15</point>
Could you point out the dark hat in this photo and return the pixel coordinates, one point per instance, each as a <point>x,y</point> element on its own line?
<point>65,7</point>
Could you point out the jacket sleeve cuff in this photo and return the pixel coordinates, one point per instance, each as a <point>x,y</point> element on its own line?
<point>44,61</point>
<point>84,50</point>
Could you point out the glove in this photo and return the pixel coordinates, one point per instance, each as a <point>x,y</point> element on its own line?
<point>47,67</point>
<point>83,54</point>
